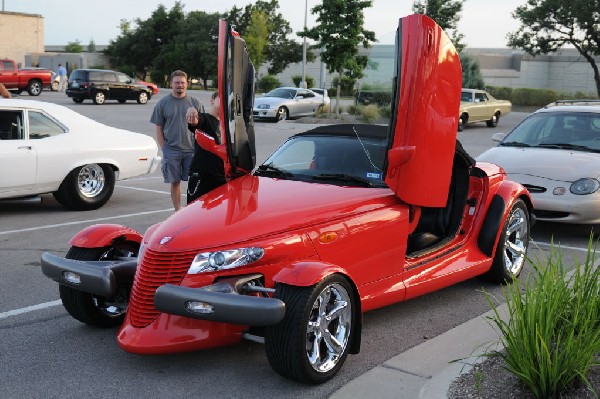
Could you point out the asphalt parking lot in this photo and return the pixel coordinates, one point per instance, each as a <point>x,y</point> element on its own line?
<point>46,353</point>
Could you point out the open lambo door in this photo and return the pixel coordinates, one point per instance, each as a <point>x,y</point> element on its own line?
<point>425,100</point>
<point>236,93</point>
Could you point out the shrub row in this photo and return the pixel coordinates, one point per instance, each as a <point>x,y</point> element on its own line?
<point>533,97</point>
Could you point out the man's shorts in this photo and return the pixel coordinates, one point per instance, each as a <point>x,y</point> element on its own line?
<point>176,165</point>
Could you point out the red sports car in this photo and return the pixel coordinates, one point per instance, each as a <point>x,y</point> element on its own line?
<point>338,221</point>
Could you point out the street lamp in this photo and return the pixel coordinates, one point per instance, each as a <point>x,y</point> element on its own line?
<point>303,84</point>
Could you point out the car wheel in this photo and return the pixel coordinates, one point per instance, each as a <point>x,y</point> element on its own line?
<point>142,98</point>
<point>92,309</point>
<point>99,97</point>
<point>512,246</point>
<point>122,101</point>
<point>87,187</point>
<point>461,123</point>
<point>78,100</point>
<point>34,88</point>
<point>312,341</point>
<point>494,121</point>
<point>282,114</point>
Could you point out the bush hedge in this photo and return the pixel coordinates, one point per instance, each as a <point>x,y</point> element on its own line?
<point>533,97</point>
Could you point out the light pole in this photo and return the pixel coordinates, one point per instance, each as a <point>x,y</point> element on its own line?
<point>303,83</point>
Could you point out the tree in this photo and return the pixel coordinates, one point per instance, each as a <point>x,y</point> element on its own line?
<point>548,25</point>
<point>471,75</point>
<point>257,36</point>
<point>91,46</point>
<point>446,13</point>
<point>339,32</point>
<point>280,51</point>
<point>74,47</point>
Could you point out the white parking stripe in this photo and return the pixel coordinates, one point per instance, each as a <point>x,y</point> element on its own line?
<point>558,245</point>
<point>145,189</point>
<point>29,309</point>
<point>51,226</point>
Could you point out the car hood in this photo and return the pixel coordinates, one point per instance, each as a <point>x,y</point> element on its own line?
<point>564,165</point>
<point>268,100</point>
<point>251,207</point>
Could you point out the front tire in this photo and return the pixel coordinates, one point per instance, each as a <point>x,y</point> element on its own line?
<point>312,342</point>
<point>99,98</point>
<point>34,88</point>
<point>90,309</point>
<point>282,114</point>
<point>77,100</point>
<point>494,121</point>
<point>87,187</point>
<point>461,123</point>
<point>142,98</point>
<point>511,250</point>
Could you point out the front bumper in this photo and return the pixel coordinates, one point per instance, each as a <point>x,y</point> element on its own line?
<point>95,277</point>
<point>220,302</point>
<point>265,113</point>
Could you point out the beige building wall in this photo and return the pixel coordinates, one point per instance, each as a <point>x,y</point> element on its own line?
<point>20,34</point>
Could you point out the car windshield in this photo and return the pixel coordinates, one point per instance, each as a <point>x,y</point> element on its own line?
<point>559,130</point>
<point>329,159</point>
<point>281,93</point>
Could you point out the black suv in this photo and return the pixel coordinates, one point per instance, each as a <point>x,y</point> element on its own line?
<point>101,85</point>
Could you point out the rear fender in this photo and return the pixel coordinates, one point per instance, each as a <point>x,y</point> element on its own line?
<point>503,199</point>
<point>102,235</point>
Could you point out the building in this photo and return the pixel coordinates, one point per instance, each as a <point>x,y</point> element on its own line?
<point>22,34</point>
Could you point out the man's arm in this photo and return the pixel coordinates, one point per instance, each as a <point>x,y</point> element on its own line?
<point>160,136</point>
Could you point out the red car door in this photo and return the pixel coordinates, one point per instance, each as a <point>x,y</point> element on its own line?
<point>427,90</point>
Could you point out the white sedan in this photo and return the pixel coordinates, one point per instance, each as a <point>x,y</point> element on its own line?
<point>555,153</point>
<point>48,148</point>
<point>287,102</point>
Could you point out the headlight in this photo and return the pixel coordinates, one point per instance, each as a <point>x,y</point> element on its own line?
<point>223,260</point>
<point>263,106</point>
<point>585,186</point>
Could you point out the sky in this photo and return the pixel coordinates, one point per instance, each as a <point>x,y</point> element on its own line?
<point>485,23</point>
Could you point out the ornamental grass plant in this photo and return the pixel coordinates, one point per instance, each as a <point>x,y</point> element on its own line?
<point>552,334</point>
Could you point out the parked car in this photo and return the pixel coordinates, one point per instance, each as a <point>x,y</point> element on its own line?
<point>481,106</point>
<point>48,148</point>
<point>323,93</point>
<point>30,79</point>
<point>555,153</point>
<point>100,85</point>
<point>340,220</point>
<point>287,102</point>
<point>153,87</point>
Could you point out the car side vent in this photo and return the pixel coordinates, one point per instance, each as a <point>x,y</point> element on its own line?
<point>535,189</point>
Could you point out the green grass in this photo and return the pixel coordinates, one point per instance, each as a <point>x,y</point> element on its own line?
<point>552,334</point>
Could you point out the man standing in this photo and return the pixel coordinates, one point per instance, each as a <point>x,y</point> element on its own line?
<point>172,134</point>
<point>62,76</point>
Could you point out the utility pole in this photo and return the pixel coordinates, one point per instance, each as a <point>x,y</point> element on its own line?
<point>303,83</point>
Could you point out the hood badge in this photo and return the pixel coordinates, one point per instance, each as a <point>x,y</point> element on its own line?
<point>165,240</point>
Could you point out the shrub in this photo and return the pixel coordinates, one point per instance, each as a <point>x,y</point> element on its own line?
<point>552,335</point>
<point>268,83</point>
<point>310,81</point>
<point>370,113</point>
<point>347,87</point>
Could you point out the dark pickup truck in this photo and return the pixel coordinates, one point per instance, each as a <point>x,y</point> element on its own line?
<point>32,80</point>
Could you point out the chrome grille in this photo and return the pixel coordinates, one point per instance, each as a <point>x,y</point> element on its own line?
<point>155,269</point>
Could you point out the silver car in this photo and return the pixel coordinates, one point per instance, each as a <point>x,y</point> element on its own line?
<point>287,102</point>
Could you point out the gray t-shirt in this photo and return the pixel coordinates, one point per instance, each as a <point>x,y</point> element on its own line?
<point>169,112</point>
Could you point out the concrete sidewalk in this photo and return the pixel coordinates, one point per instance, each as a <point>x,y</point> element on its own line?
<point>427,370</point>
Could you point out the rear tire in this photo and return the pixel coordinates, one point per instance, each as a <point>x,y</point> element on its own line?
<point>34,88</point>
<point>511,249</point>
<point>87,308</point>
<point>312,342</point>
<point>86,188</point>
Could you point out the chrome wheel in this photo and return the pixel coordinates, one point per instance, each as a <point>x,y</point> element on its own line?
<point>328,329</point>
<point>91,180</point>
<point>516,239</point>
<point>282,114</point>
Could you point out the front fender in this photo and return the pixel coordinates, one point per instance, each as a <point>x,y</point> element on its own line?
<point>102,235</point>
<point>307,273</point>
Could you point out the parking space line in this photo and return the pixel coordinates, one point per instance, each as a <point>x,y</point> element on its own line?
<point>28,309</point>
<point>51,226</point>
<point>547,244</point>
<point>144,189</point>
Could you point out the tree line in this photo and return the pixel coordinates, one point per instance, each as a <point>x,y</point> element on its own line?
<point>173,39</point>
